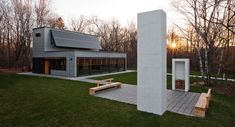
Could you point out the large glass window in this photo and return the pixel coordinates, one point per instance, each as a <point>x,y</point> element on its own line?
<point>83,66</point>
<point>87,66</point>
<point>105,65</point>
<point>58,64</point>
<point>113,65</point>
<point>121,64</point>
<point>96,66</point>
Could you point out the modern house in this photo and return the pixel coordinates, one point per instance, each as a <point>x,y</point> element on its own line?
<point>72,54</point>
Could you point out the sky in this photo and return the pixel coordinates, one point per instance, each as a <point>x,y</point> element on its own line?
<point>124,10</point>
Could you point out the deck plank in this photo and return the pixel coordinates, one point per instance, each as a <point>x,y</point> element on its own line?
<point>177,101</point>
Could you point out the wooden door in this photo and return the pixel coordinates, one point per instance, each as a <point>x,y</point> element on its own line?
<point>46,67</point>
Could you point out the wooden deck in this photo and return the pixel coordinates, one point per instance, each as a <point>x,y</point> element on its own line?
<point>177,101</point>
<point>181,102</point>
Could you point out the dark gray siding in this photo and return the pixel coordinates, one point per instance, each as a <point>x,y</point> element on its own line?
<point>38,41</point>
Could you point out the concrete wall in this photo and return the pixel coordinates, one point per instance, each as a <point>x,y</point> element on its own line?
<point>58,72</point>
<point>71,65</point>
<point>43,43</point>
<point>38,42</point>
<point>151,68</point>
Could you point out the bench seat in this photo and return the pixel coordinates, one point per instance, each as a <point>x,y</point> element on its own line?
<point>93,90</point>
<point>104,81</point>
<point>202,104</point>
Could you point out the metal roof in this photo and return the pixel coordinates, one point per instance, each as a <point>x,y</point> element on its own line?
<point>74,40</point>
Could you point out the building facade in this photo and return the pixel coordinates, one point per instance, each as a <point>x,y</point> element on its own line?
<point>72,54</point>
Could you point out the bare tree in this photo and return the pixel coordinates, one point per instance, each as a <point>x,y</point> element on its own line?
<point>5,33</point>
<point>203,16</point>
<point>56,22</point>
<point>17,19</point>
<point>130,45</point>
<point>115,37</point>
<point>42,11</point>
<point>100,28</point>
<point>23,24</point>
<point>79,25</point>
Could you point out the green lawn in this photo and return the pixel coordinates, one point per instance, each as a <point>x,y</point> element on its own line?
<point>131,78</point>
<point>27,101</point>
<point>193,72</point>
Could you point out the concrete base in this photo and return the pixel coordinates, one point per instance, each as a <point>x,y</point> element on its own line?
<point>151,68</point>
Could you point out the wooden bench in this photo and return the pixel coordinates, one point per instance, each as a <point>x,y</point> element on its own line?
<point>202,104</point>
<point>103,82</point>
<point>93,90</point>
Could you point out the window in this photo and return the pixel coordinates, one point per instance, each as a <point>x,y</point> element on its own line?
<point>83,66</point>
<point>96,66</point>
<point>87,66</point>
<point>58,64</point>
<point>105,65</point>
<point>38,34</point>
<point>121,64</point>
<point>113,65</point>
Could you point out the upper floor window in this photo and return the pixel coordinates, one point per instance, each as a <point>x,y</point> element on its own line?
<point>38,34</point>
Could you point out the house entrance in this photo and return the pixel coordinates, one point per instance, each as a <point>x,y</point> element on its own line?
<point>46,67</point>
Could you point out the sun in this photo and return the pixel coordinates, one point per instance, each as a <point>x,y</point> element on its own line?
<point>173,45</point>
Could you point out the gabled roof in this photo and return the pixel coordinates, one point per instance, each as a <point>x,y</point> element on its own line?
<point>70,39</point>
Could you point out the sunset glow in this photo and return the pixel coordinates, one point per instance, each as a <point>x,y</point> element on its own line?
<point>124,10</point>
<point>173,45</point>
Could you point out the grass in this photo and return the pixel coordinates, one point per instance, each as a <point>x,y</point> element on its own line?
<point>193,72</point>
<point>27,101</point>
<point>131,78</point>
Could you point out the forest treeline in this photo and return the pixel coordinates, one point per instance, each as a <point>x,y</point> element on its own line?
<point>209,35</point>
<point>207,38</point>
<point>19,17</point>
